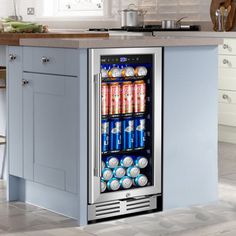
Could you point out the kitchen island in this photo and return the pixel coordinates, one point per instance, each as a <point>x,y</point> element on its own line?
<point>48,119</point>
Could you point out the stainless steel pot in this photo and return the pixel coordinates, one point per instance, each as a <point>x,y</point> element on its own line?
<point>172,24</point>
<point>132,16</point>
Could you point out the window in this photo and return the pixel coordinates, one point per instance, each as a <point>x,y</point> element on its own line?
<point>70,8</point>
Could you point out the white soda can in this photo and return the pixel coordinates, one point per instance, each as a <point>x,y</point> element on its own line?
<point>126,182</point>
<point>107,174</point>
<point>103,186</point>
<point>140,181</point>
<point>141,162</point>
<point>119,172</point>
<point>112,162</point>
<point>133,171</point>
<point>126,161</point>
<point>113,184</point>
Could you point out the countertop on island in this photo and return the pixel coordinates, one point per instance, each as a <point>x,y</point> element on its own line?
<point>14,38</point>
<point>121,41</point>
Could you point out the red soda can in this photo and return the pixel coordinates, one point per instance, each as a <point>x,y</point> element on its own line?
<point>127,97</point>
<point>105,99</point>
<point>139,96</point>
<point>115,99</point>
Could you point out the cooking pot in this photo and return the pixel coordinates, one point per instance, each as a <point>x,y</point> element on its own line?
<point>132,16</point>
<point>172,24</point>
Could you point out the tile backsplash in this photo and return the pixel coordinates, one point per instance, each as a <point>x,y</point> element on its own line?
<point>195,10</point>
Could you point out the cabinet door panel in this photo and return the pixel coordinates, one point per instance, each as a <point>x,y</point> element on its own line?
<point>53,114</point>
<point>14,84</point>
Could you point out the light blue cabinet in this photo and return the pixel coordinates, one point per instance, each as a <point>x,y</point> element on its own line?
<point>50,130</point>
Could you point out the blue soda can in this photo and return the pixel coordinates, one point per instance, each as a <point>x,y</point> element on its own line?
<point>127,134</point>
<point>103,165</point>
<point>119,172</point>
<point>140,181</point>
<point>105,135</point>
<point>126,161</point>
<point>140,132</point>
<point>126,182</point>
<point>115,135</point>
<point>112,162</point>
<point>113,184</point>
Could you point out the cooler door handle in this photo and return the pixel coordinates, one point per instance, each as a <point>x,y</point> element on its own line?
<point>98,130</point>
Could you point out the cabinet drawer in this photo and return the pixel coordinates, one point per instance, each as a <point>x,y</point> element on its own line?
<point>227,97</point>
<point>227,114</point>
<point>51,60</point>
<point>226,61</point>
<point>228,48</point>
<point>227,79</point>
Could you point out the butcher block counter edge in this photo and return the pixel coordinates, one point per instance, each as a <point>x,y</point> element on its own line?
<point>121,41</point>
<point>14,38</point>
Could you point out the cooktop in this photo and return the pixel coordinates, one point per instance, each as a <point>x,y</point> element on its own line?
<point>149,28</point>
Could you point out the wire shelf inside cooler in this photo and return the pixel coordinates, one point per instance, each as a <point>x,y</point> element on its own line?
<point>147,151</point>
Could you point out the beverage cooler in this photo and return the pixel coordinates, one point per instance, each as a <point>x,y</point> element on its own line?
<point>125,131</point>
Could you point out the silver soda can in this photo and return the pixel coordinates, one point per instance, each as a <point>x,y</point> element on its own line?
<point>113,184</point>
<point>103,165</point>
<point>141,162</point>
<point>119,172</point>
<point>103,186</point>
<point>133,171</point>
<point>126,161</point>
<point>112,162</point>
<point>107,174</point>
<point>126,182</point>
<point>140,181</point>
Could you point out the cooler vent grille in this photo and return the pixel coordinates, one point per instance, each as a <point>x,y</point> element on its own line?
<point>122,207</point>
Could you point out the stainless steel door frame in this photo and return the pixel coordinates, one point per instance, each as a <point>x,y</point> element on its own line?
<point>95,195</point>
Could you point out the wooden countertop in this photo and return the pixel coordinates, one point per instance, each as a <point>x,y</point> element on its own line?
<point>13,39</point>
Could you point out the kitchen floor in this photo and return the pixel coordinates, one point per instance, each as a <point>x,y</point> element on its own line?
<point>19,219</point>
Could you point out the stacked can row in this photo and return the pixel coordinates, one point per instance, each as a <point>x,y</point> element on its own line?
<point>123,174</point>
<point>129,71</point>
<point>123,135</point>
<point>127,97</point>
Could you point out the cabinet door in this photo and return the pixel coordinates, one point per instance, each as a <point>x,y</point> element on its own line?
<point>50,121</point>
<point>14,104</point>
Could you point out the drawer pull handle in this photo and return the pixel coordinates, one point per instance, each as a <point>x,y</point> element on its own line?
<point>225,61</point>
<point>25,82</point>
<point>12,57</point>
<point>226,46</point>
<point>45,60</point>
<point>225,96</point>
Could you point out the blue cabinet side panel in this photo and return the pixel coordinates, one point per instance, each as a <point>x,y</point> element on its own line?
<point>190,126</point>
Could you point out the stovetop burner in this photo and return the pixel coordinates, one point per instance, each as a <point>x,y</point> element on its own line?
<point>149,28</point>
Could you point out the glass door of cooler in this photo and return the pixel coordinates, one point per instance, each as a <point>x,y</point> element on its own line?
<point>125,123</point>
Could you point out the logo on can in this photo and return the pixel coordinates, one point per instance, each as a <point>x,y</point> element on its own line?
<point>140,132</point>
<point>115,99</point>
<point>119,172</point>
<point>105,136</point>
<point>112,162</point>
<point>105,99</point>
<point>126,161</point>
<point>127,97</point>
<point>141,162</point>
<point>139,96</point>
<point>133,171</point>
<point>126,182</point>
<point>113,184</point>
<point>115,135</point>
<point>127,134</point>
<point>107,174</point>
